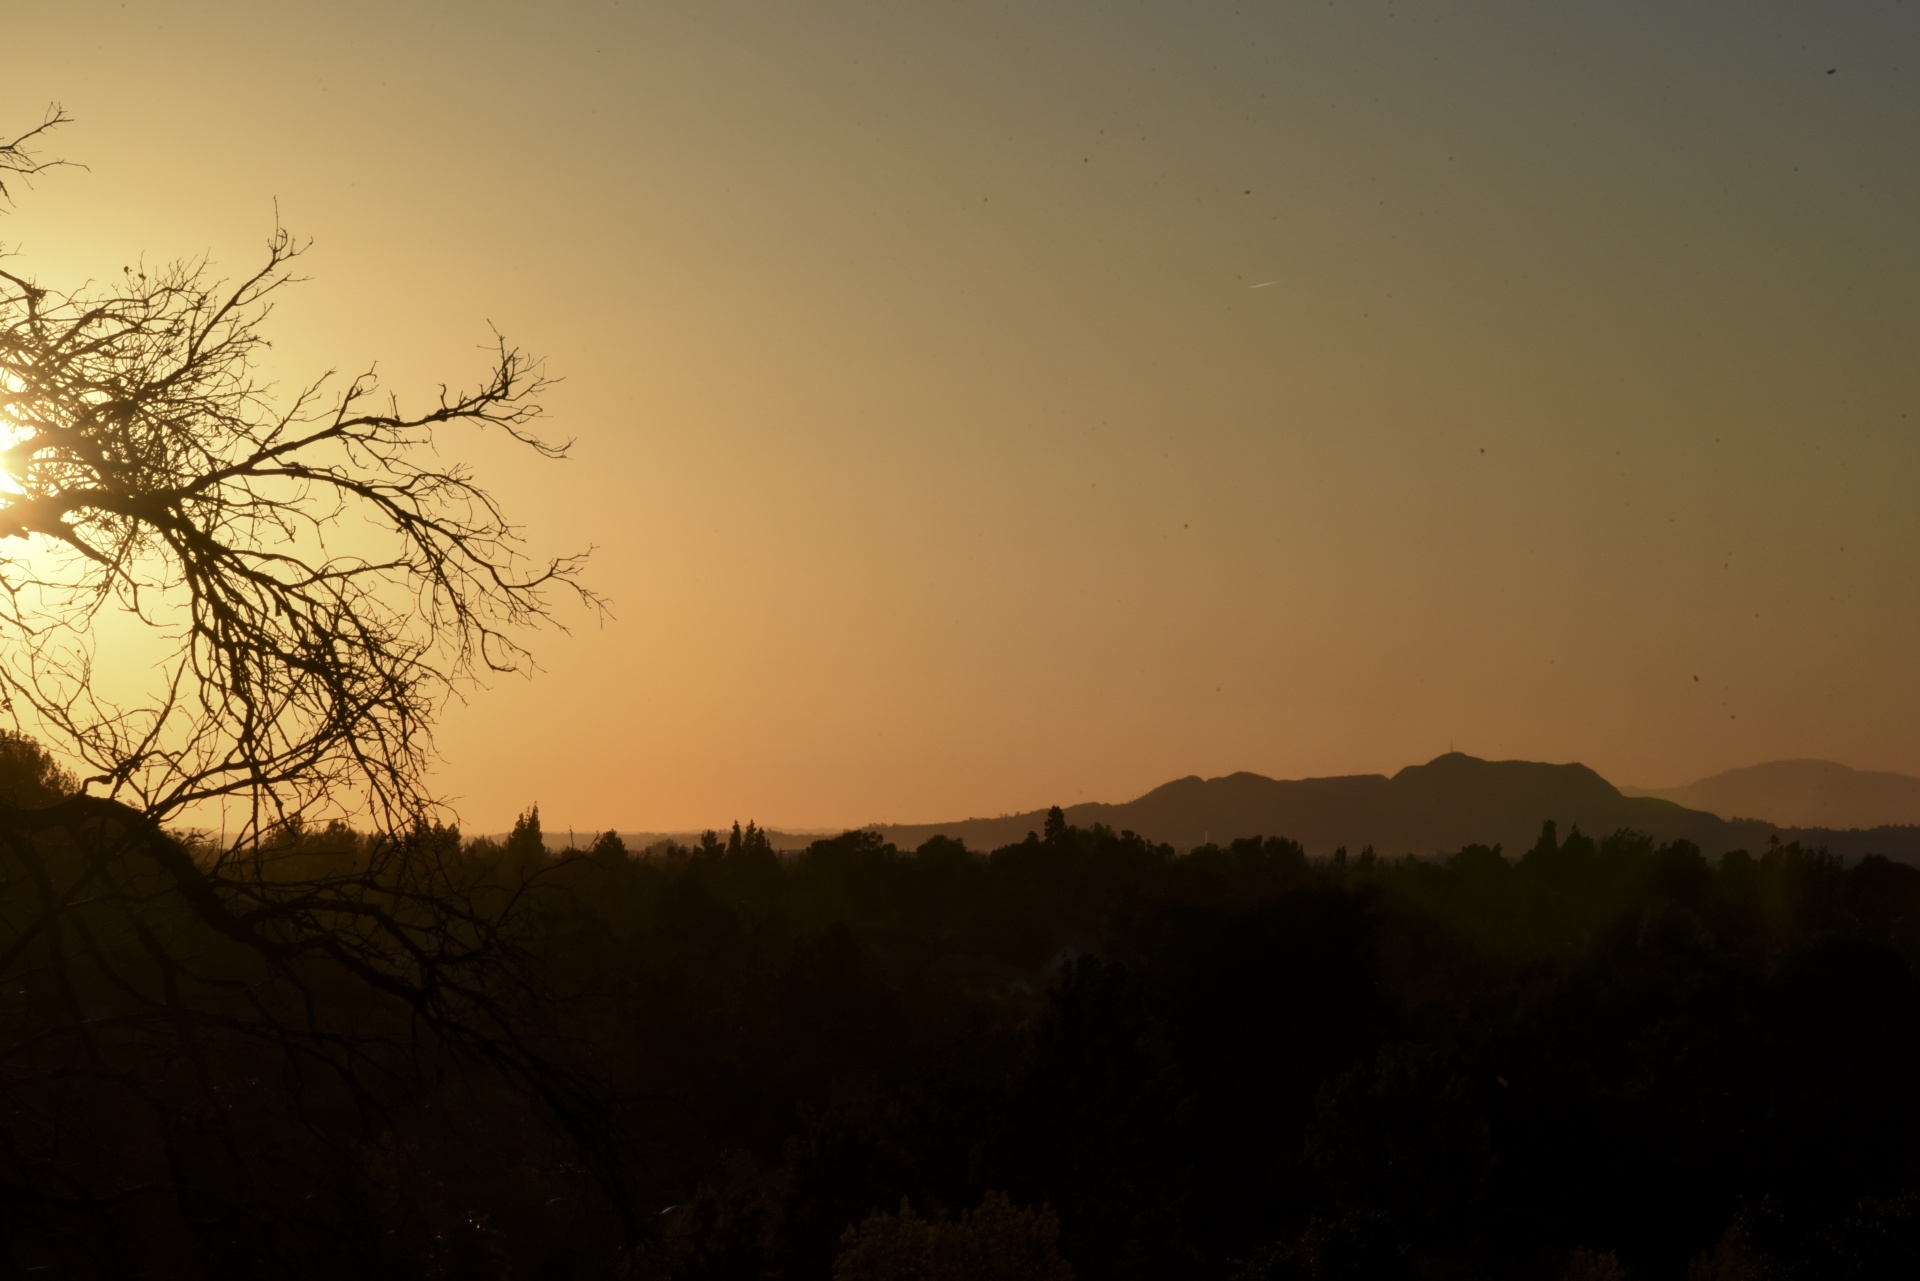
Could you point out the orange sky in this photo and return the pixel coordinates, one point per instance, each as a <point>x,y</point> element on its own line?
<point>985,409</point>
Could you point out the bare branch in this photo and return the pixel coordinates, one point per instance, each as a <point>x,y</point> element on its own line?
<point>18,157</point>
<point>311,581</point>
<point>324,579</point>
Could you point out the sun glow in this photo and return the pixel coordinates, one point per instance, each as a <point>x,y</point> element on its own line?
<point>13,432</point>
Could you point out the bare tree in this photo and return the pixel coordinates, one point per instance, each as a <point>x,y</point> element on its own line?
<point>316,580</point>
<point>322,578</point>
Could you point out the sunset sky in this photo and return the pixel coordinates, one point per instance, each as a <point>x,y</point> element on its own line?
<point>983,407</point>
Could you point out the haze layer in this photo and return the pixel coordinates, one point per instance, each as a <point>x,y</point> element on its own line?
<point>980,409</point>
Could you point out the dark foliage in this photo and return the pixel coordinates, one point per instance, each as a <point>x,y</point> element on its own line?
<point>1605,1058</point>
<point>1602,1059</point>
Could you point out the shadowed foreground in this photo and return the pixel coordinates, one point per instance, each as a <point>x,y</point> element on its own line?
<point>1079,1056</point>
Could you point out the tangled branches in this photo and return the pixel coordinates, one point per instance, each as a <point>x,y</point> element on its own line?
<point>322,578</point>
<point>18,158</point>
<point>304,583</point>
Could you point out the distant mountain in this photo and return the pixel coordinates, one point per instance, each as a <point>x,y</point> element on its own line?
<point>1451,801</point>
<point>1801,794</point>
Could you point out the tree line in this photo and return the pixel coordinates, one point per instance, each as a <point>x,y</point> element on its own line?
<point>1084,1055</point>
<point>1598,1058</point>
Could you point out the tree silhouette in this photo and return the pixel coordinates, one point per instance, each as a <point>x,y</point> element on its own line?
<point>317,576</point>
<point>314,580</point>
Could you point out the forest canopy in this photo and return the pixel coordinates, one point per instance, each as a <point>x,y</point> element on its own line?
<point>1599,1058</point>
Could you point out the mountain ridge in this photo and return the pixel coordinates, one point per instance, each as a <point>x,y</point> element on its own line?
<point>1805,792</point>
<point>1449,802</point>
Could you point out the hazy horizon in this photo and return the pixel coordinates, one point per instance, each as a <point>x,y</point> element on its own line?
<point>977,410</point>
<point>556,826</point>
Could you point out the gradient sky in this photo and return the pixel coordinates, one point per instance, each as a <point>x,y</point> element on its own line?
<point>986,407</point>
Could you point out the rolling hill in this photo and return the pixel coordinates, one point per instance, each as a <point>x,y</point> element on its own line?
<point>1451,801</point>
<point>1802,793</point>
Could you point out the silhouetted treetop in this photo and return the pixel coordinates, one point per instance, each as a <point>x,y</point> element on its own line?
<point>220,1052</point>
<point>312,573</point>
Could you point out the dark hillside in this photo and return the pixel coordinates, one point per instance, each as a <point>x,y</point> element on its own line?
<point>1449,802</point>
<point>1080,1057</point>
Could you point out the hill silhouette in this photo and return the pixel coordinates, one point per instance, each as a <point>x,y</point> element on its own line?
<point>1451,801</point>
<point>1801,793</point>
